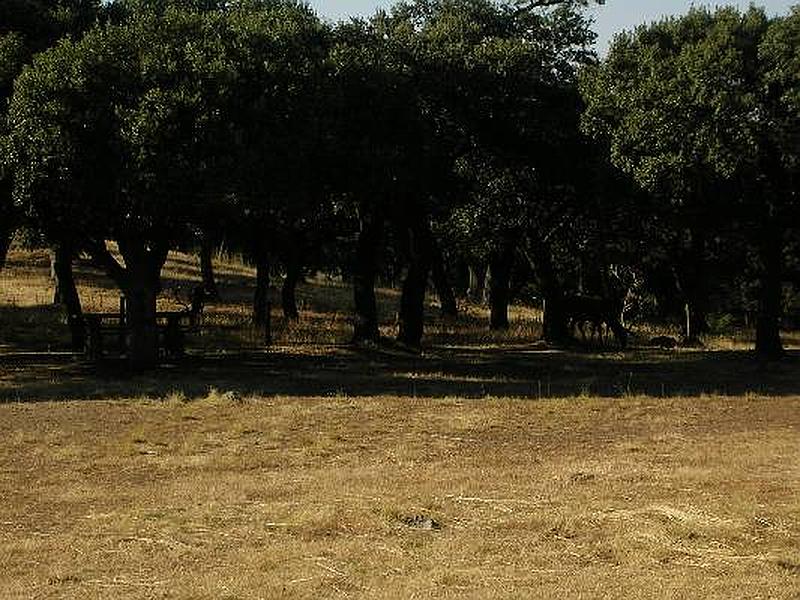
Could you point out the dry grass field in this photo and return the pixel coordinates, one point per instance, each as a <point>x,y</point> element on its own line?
<point>488,467</point>
<point>386,497</point>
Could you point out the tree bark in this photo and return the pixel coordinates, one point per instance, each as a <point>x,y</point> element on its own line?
<point>695,322</point>
<point>692,282</point>
<point>477,283</point>
<point>67,294</point>
<point>500,264</point>
<point>6,234</point>
<point>289,289</point>
<point>9,219</point>
<point>768,337</point>
<point>444,290</point>
<point>365,323</point>
<point>261,296</point>
<point>141,298</point>
<point>412,300</point>
<point>57,300</point>
<point>207,269</point>
<point>555,327</point>
<point>141,282</point>
<point>460,277</point>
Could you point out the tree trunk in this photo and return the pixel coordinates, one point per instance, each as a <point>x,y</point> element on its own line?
<point>57,299</point>
<point>412,300</point>
<point>261,296</point>
<point>207,269</point>
<point>5,244</point>
<point>695,322</point>
<point>140,280</point>
<point>555,321</point>
<point>8,225</point>
<point>444,290</point>
<point>500,264</point>
<point>555,327</point>
<point>693,284</point>
<point>460,277</point>
<point>288,291</point>
<point>768,337</point>
<point>365,324</point>
<point>141,298</point>
<point>67,294</point>
<point>477,283</point>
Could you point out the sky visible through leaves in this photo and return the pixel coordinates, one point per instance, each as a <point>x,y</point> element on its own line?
<point>615,15</point>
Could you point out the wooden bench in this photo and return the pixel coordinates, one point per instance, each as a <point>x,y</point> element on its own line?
<point>172,329</point>
<point>100,326</point>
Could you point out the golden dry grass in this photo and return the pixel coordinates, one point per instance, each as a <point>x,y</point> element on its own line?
<point>315,470</point>
<point>230,497</point>
<point>326,306</point>
<point>28,321</point>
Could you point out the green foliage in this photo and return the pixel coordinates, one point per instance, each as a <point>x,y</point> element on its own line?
<point>499,72</point>
<point>109,132</point>
<point>678,102</point>
<point>12,56</point>
<point>701,110</point>
<point>499,82</point>
<point>42,22</point>
<point>278,119</point>
<point>254,117</point>
<point>144,129</point>
<point>780,56</point>
<point>26,27</point>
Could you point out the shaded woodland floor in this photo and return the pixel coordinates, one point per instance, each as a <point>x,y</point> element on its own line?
<point>312,357</point>
<point>439,373</point>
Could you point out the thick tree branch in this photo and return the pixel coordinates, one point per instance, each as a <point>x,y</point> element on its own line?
<point>158,256</point>
<point>103,258</point>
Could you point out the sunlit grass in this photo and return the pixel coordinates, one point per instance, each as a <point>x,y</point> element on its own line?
<point>30,321</point>
<point>325,305</point>
<point>486,467</point>
<point>230,496</point>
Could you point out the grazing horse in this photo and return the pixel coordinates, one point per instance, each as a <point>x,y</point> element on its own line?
<point>596,313</point>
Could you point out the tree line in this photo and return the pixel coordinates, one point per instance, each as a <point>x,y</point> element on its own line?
<point>474,144</point>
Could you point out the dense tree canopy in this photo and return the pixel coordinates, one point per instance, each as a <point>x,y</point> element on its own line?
<point>699,111</point>
<point>121,154</point>
<point>26,27</point>
<point>432,137</point>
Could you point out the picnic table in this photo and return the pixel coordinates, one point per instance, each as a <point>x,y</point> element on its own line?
<point>172,328</point>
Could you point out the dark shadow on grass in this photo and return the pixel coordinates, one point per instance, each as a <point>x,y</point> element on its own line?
<point>530,373</point>
<point>33,328</point>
